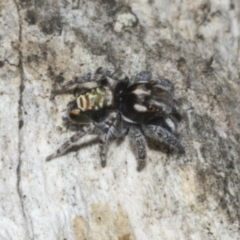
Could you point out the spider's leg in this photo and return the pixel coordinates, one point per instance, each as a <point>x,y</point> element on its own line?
<point>176,114</point>
<point>113,129</point>
<point>112,78</point>
<point>68,144</point>
<point>106,73</point>
<point>162,83</point>
<point>85,82</point>
<point>143,76</point>
<point>105,136</point>
<point>103,72</point>
<point>139,143</point>
<point>161,134</point>
<point>103,140</point>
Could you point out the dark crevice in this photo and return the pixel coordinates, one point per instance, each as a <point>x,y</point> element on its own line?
<point>11,64</point>
<point>20,119</point>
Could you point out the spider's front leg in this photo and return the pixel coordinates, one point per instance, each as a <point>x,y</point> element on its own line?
<point>159,133</point>
<point>73,139</point>
<point>158,82</point>
<point>139,143</point>
<point>162,83</point>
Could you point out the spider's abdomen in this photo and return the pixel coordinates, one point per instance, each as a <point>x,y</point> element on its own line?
<point>96,99</point>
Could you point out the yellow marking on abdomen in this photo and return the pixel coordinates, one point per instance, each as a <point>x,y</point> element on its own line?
<point>95,99</point>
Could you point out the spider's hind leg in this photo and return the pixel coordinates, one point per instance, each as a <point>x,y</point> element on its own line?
<point>113,129</point>
<point>103,140</point>
<point>139,143</point>
<point>68,144</point>
<point>86,82</point>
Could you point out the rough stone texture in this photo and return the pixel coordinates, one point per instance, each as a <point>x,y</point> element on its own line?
<point>193,43</point>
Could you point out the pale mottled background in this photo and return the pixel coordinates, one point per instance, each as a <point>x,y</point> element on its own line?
<point>193,43</point>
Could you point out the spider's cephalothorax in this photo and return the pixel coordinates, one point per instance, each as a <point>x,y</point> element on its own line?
<point>111,108</point>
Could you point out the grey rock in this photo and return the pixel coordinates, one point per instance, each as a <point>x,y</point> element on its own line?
<point>195,196</point>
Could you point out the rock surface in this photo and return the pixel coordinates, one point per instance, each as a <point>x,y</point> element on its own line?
<point>193,43</point>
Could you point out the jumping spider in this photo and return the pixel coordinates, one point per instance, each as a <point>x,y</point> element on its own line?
<point>113,108</point>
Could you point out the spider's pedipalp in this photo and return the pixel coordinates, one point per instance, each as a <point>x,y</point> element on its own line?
<point>139,143</point>
<point>68,144</point>
<point>159,133</point>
